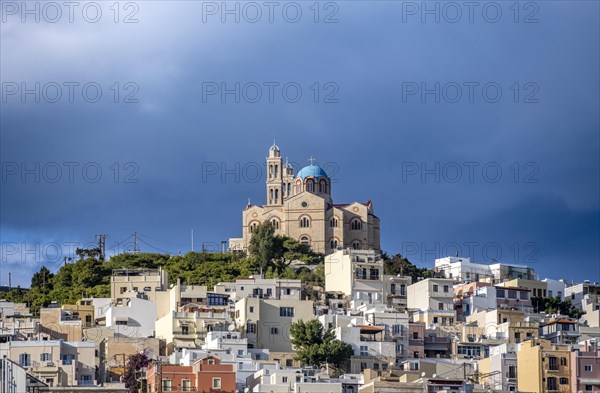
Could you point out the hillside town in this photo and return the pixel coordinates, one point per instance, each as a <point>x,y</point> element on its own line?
<point>461,326</point>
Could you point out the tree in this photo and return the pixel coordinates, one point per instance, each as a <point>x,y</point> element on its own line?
<point>134,364</point>
<point>398,264</point>
<point>42,280</point>
<point>262,244</point>
<point>553,305</point>
<point>314,345</point>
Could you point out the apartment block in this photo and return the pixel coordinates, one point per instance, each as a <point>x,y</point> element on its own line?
<point>357,274</point>
<point>266,322</point>
<point>543,367</point>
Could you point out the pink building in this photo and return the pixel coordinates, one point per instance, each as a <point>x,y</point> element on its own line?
<point>585,368</point>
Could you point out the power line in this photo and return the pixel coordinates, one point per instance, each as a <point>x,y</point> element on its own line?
<point>151,246</point>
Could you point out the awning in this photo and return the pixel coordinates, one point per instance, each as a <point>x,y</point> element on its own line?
<point>121,319</point>
<point>177,343</point>
<point>366,329</point>
<point>589,381</point>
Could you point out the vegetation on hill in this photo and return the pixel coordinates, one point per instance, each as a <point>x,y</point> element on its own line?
<point>90,277</point>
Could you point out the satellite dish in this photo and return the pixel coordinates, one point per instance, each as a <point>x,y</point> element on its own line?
<point>231,327</point>
<point>423,374</point>
<point>434,376</point>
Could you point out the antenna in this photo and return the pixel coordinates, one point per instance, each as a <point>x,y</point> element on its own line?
<point>102,245</point>
<point>134,242</point>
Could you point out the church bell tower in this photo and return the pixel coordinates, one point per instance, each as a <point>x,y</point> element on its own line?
<point>274,177</point>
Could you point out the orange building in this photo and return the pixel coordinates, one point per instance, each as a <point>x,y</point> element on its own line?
<point>206,375</point>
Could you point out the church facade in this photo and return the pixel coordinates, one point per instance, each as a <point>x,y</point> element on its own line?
<point>300,206</point>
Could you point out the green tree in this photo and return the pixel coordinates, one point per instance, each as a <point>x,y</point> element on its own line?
<point>314,345</point>
<point>42,280</point>
<point>399,264</point>
<point>262,245</point>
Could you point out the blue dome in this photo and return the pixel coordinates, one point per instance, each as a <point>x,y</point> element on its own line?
<point>311,171</point>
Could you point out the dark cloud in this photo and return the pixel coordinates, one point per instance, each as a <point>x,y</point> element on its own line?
<point>372,139</point>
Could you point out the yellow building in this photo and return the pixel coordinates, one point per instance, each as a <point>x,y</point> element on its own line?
<point>300,206</point>
<point>537,288</point>
<point>543,367</point>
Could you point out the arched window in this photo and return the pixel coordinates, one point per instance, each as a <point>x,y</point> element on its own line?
<point>356,245</point>
<point>333,222</point>
<point>276,196</point>
<point>323,186</point>
<point>304,222</point>
<point>334,244</point>
<point>310,185</point>
<point>275,223</point>
<point>252,227</point>
<point>356,224</point>
<point>305,240</point>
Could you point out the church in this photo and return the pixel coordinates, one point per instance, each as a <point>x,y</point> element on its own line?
<point>300,206</point>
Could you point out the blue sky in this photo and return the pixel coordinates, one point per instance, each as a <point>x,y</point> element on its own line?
<point>478,136</point>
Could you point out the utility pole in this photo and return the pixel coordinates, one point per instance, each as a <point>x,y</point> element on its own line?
<point>102,245</point>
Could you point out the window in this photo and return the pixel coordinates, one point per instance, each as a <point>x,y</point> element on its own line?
<point>435,288</point>
<point>304,240</point>
<point>524,295</point>
<point>284,379</point>
<point>185,329</point>
<point>374,274</point>
<point>446,288</point>
<point>564,381</point>
<point>364,350</point>
<point>500,293</point>
<point>551,381</point>
<point>274,330</point>
<point>552,363</point>
<point>211,361</point>
<point>304,222</point>
<point>416,335</point>
<point>334,243</point>
<point>588,368</point>
<point>435,319</point>
<point>166,385</point>
<point>563,361</point>
<point>286,311</point>
<point>356,245</point>
<point>333,223</point>
<point>440,306</point>
<point>68,359</point>
<point>46,357</point>
<point>356,225</point>
<point>252,227</point>
<point>186,385</point>
<point>216,383</point>
<point>589,388</point>
<point>396,329</point>
<point>393,289</point>
<point>24,360</point>
<point>275,223</point>
<point>416,354</point>
<point>251,328</point>
<point>512,372</point>
<point>289,362</point>
<point>361,273</point>
<point>251,308</point>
